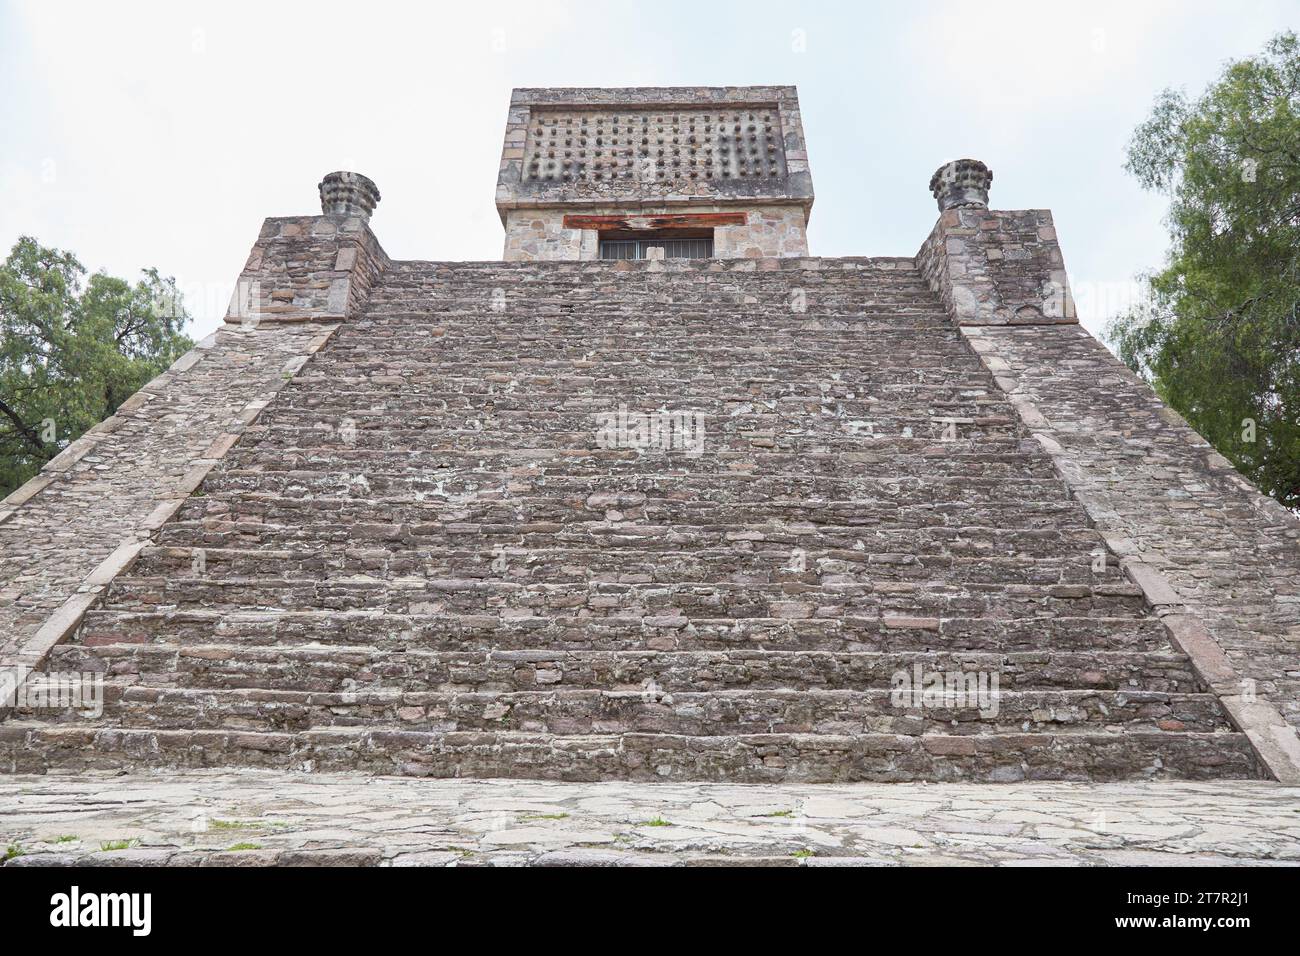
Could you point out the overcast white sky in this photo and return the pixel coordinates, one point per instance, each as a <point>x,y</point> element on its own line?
<point>161,134</point>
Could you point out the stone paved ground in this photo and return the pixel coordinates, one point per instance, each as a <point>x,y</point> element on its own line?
<point>259,817</point>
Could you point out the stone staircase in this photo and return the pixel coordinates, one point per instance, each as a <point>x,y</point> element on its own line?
<point>420,560</point>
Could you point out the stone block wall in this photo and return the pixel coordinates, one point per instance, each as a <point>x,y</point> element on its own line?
<point>308,268</point>
<point>769,231</point>
<point>998,267</point>
<point>540,235</point>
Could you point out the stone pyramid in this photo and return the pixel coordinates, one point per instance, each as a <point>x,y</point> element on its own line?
<point>611,508</point>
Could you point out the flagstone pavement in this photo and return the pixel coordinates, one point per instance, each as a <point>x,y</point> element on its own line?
<point>260,818</point>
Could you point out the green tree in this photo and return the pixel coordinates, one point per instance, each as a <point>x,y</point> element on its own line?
<point>71,351</point>
<point>1218,336</point>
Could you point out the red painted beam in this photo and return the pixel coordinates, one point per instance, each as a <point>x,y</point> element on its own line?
<point>688,220</point>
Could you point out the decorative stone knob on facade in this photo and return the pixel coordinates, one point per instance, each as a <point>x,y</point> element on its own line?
<point>961,184</point>
<point>348,194</point>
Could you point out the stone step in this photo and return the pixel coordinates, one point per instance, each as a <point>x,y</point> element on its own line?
<point>642,541</point>
<point>758,758</point>
<point>651,291</point>
<point>816,264</point>
<point>344,667</point>
<point>747,502</point>
<point>486,632</point>
<point>728,274</point>
<point>428,308</point>
<point>625,565</point>
<point>629,424</point>
<point>772,299</point>
<point>623,426</point>
<point>659,283</point>
<point>588,471</point>
<point>667,280</point>
<point>603,549</point>
<point>761,303</point>
<point>702,373</point>
<point>654,286</point>
<point>578,427</point>
<point>589,273</point>
<point>454,330</point>
<point>574,469</point>
<point>208,522</point>
<point>442,402</point>
<point>566,382</point>
<point>278,522</point>
<point>679,274</point>
<point>655,291</point>
<point>520,445</point>
<point>780,298</point>
<point>739,510</point>
<point>379,393</point>
<point>484,313</point>
<point>924,361</point>
<point>395,471</point>
<point>482,317</point>
<point>874,452</point>
<point>685,713</point>
<point>670,605</point>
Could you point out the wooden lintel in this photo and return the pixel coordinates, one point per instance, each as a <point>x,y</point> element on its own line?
<point>686,220</point>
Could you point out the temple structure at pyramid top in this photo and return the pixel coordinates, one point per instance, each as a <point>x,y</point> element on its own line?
<point>645,172</point>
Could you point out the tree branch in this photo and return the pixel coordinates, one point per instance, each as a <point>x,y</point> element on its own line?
<point>29,434</point>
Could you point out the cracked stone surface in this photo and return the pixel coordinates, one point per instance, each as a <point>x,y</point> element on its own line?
<point>256,817</point>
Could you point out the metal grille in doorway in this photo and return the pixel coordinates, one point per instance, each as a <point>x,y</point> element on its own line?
<point>673,248</point>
